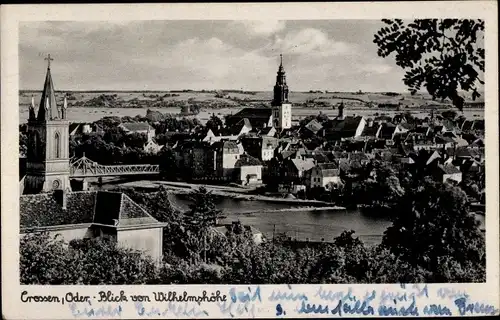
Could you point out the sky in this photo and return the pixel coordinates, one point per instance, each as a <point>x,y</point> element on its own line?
<point>335,55</point>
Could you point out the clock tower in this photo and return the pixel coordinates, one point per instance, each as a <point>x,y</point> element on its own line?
<point>47,166</point>
<point>282,109</point>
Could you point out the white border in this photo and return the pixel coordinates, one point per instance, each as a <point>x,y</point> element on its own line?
<point>12,14</point>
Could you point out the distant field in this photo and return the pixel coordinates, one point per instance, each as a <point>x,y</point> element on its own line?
<point>227,99</point>
<point>91,106</point>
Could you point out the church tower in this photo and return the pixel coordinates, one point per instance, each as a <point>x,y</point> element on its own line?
<point>47,166</point>
<point>282,109</point>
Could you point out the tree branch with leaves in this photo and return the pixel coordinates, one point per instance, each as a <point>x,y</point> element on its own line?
<point>445,56</point>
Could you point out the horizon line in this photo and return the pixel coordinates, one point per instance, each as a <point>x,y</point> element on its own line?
<point>200,90</point>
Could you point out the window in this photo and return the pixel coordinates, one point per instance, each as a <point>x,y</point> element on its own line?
<point>57,145</point>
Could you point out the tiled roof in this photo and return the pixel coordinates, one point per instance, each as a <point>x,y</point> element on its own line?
<point>370,131</point>
<point>387,130</point>
<point>328,169</point>
<point>101,207</point>
<point>314,126</point>
<point>320,157</point>
<point>303,165</point>
<point>236,128</point>
<point>348,124</point>
<point>247,160</point>
<point>42,210</point>
<point>257,116</point>
<point>228,146</point>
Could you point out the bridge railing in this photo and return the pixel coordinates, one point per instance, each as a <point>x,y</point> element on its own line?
<point>84,167</point>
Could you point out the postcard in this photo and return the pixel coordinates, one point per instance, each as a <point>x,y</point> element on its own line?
<point>250,160</point>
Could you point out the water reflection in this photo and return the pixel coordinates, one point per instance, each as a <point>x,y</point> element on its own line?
<point>298,223</point>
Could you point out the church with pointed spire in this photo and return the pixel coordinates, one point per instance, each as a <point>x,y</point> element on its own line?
<point>282,108</point>
<point>47,166</point>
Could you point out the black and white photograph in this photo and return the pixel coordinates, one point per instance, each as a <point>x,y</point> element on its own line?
<point>252,152</point>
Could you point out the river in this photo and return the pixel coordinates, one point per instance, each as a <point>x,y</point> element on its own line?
<point>94,114</point>
<point>301,224</point>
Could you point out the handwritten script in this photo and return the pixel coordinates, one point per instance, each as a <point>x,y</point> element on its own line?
<point>414,300</point>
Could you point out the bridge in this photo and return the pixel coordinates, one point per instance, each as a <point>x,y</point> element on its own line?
<point>84,167</point>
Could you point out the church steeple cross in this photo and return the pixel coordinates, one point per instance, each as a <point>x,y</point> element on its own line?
<point>281,59</point>
<point>48,60</point>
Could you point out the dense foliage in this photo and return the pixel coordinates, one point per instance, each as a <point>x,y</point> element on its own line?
<point>47,260</point>
<point>445,56</point>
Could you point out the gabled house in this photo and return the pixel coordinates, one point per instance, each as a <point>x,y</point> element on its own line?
<point>259,147</point>
<point>371,129</point>
<point>445,172</point>
<point>248,170</point>
<point>294,169</point>
<point>267,132</point>
<point>258,117</point>
<point>225,155</point>
<point>324,175</point>
<point>240,128</point>
<point>388,131</point>
<point>344,127</point>
<point>92,214</point>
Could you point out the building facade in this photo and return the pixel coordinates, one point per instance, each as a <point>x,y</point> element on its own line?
<point>282,108</point>
<point>47,166</point>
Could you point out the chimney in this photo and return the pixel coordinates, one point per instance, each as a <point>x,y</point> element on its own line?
<point>370,122</point>
<point>61,198</point>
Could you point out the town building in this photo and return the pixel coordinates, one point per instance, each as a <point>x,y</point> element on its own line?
<point>324,176</point>
<point>225,156</point>
<point>342,127</point>
<point>92,214</point>
<point>445,172</point>
<point>249,170</point>
<point>47,163</point>
<point>258,117</point>
<point>282,108</point>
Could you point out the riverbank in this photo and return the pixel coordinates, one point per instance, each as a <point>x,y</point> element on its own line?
<point>183,188</point>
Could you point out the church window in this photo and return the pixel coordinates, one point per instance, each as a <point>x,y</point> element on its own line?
<point>57,145</point>
<point>38,145</point>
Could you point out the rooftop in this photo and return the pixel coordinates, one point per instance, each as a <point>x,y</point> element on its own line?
<point>87,207</point>
<point>246,160</point>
